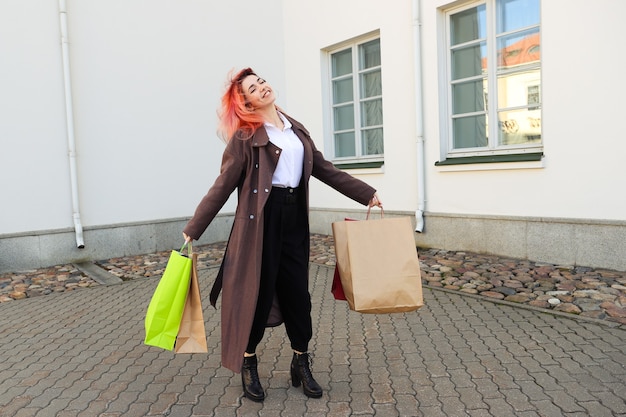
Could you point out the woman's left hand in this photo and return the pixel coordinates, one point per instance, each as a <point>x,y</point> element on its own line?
<point>375,201</point>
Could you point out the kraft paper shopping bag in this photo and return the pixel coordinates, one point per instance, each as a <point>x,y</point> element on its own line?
<point>191,336</point>
<point>378,265</point>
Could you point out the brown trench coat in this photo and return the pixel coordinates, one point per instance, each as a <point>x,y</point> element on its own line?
<point>248,165</point>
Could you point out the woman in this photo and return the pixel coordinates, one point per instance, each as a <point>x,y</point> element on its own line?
<point>269,158</point>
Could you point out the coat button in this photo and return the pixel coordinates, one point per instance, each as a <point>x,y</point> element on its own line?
<point>256,166</point>
<point>255,191</point>
<point>267,191</point>
<point>277,152</point>
<point>251,216</point>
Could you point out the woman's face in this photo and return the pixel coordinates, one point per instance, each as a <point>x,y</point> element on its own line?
<point>257,91</point>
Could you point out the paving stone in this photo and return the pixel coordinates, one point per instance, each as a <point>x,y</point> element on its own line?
<point>82,351</point>
<point>614,400</point>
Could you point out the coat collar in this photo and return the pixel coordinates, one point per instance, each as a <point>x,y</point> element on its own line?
<point>296,125</point>
<point>260,137</point>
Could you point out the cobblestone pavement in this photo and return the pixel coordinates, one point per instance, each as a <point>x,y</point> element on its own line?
<point>81,353</point>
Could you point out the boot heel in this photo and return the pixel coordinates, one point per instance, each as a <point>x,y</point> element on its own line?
<point>295,379</point>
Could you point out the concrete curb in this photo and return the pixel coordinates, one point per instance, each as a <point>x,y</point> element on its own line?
<point>98,274</point>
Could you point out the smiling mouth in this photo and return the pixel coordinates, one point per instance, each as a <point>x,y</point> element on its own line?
<point>266,93</point>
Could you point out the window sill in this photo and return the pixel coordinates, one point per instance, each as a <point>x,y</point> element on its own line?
<point>492,162</point>
<point>360,165</point>
<point>490,159</point>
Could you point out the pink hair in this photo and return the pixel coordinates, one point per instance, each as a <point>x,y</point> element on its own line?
<point>234,113</point>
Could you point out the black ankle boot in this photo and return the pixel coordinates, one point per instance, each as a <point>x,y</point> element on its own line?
<point>301,373</point>
<point>250,379</point>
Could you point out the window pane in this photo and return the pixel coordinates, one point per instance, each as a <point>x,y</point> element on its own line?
<point>372,113</point>
<point>519,127</point>
<point>470,132</point>
<point>468,25</point>
<point>513,89</point>
<point>516,14</point>
<point>344,144</point>
<point>369,54</point>
<point>342,91</point>
<point>469,97</point>
<point>373,142</point>
<point>533,97</point>
<point>513,77</point>
<point>519,49</point>
<point>342,63</point>
<point>356,91</point>
<point>371,85</point>
<point>469,61</point>
<point>344,117</point>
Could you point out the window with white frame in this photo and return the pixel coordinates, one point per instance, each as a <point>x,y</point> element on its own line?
<point>356,102</point>
<point>493,78</point>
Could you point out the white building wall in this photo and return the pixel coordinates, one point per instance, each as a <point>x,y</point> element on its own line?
<point>569,209</point>
<point>147,77</point>
<point>582,173</point>
<point>35,190</point>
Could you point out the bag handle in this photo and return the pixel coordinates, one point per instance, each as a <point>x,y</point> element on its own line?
<point>189,248</point>
<point>382,213</point>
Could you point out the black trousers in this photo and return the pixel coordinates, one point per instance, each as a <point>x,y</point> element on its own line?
<point>284,269</point>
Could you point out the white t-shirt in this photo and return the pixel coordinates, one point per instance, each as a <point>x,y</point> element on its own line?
<point>289,169</point>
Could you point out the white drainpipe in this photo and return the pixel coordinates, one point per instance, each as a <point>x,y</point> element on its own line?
<point>69,117</point>
<point>419,119</point>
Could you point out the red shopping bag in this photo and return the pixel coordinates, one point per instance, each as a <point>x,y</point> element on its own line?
<point>337,289</point>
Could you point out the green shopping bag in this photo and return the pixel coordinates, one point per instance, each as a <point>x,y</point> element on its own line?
<point>168,301</point>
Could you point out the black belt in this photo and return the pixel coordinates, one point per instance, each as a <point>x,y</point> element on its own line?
<point>288,195</point>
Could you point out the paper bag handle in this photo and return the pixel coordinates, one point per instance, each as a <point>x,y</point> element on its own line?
<point>382,213</point>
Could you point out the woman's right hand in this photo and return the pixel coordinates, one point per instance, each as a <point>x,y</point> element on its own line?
<point>375,201</point>
<point>187,237</point>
